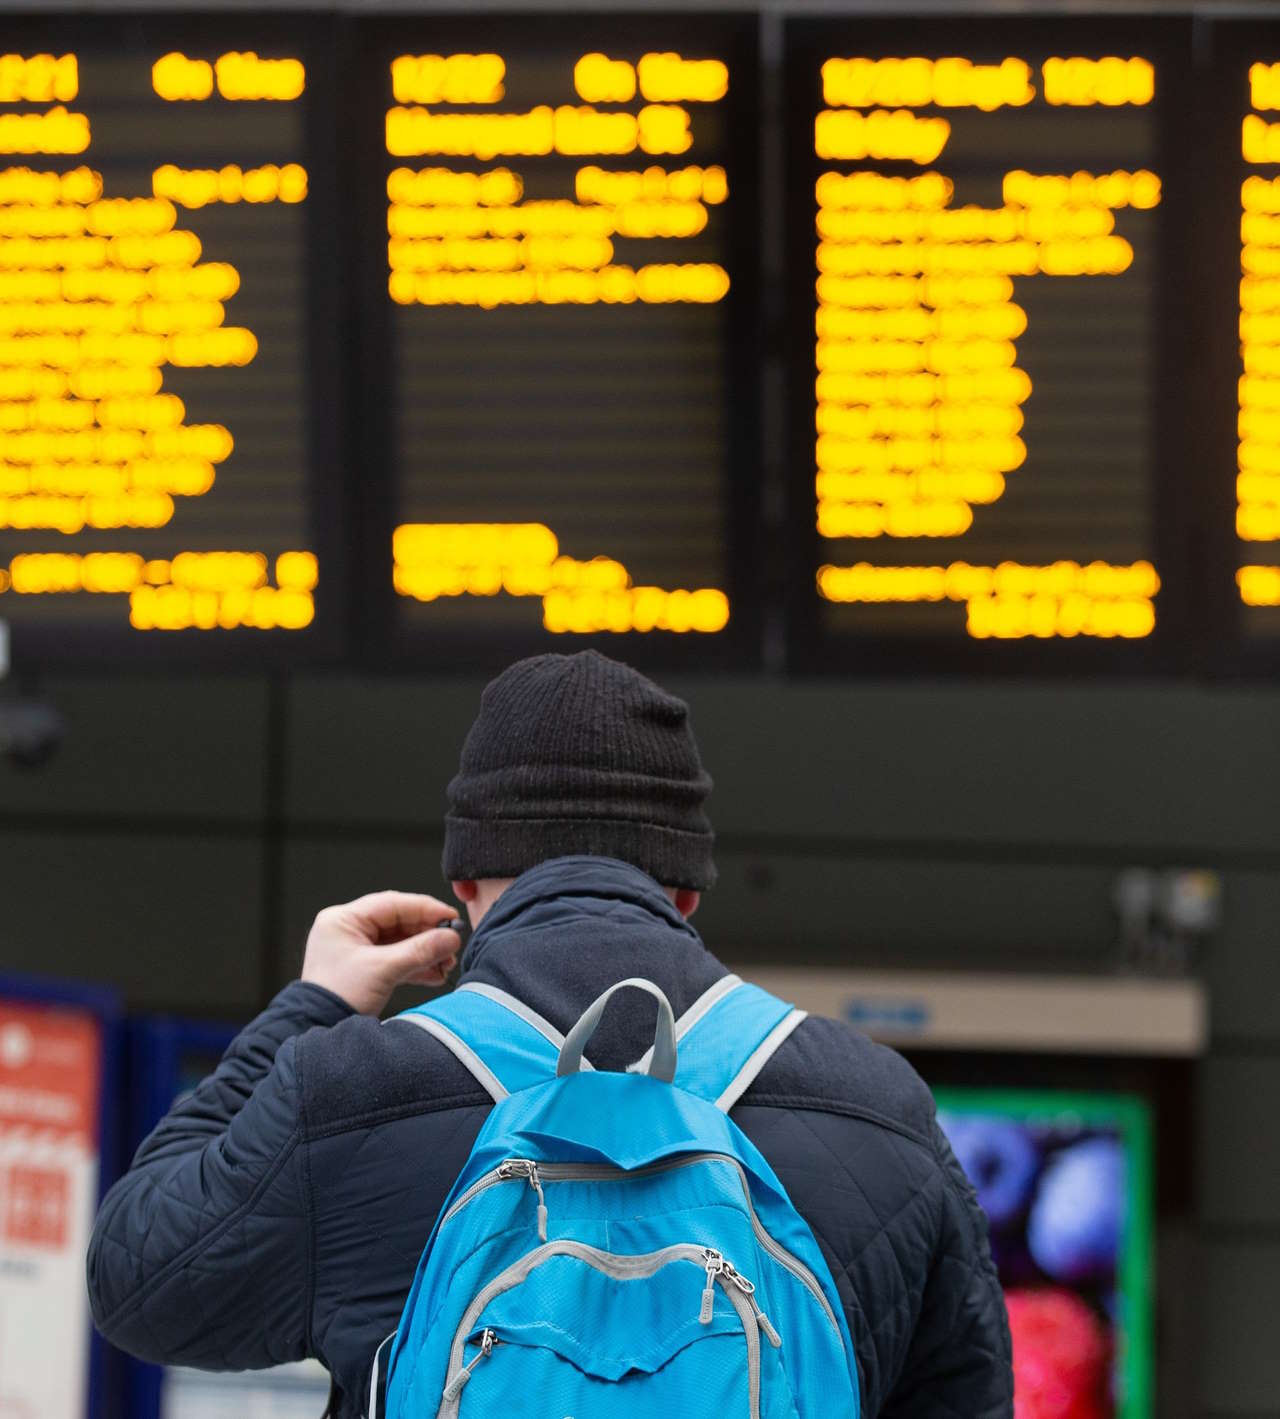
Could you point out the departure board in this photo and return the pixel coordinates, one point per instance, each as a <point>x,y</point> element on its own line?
<point>976,264</point>
<point>158,442</point>
<point>428,341</point>
<point>567,281</point>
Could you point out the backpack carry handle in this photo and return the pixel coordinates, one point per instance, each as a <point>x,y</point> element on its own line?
<point>662,1065</point>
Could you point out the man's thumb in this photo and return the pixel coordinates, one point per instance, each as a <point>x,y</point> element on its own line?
<point>418,953</point>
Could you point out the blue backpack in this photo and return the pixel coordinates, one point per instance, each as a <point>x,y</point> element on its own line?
<point>615,1245</point>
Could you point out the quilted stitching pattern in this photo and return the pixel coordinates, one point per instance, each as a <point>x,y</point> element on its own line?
<point>281,1210</point>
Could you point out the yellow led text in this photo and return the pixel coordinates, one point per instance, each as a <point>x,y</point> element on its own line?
<point>448,78</point>
<point>1260,140</point>
<point>599,79</point>
<point>660,78</point>
<point>177,78</point>
<point>434,560</point>
<point>38,78</point>
<point>238,77</point>
<point>1012,601</point>
<point>1111,82</point>
<point>245,76</point>
<point>1264,85</point>
<point>468,239</point>
<point>56,132</point>
<point>432,187</point>
<point>574,130</point>
<point>197,187</point>
<point>614,189</point>
<point>669,78</point>
<point>1258,389</point>
<point>471,238</point>
<point>882,133</point>
<point>97,295</point>
<point>915,83</point>
<point>195,590</point>
<point>919,396</point>
<point>1259,586</point>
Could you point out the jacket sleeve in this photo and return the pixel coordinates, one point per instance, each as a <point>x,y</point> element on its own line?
<point>960,1358</point>
<point>200,1253</point>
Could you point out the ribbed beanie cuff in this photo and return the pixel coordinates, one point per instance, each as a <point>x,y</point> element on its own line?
<point>508,847</point>
<point>579,754</point>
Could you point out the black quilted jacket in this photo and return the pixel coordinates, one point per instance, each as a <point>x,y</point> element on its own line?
<point>280,1211</point>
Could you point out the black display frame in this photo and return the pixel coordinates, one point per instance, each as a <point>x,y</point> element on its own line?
<point>1183,627</point>
<point>385,643</point>
<point>313,38</point>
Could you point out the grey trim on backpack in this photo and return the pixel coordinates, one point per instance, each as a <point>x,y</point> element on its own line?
<point>571,1047</point>
<point>759,1057</point>
<point>662,1057</point>
<point>522,1011</point>
<point>713,995</point>
<point>462,1052</point>
<point>376,1410</point>
<point>621,1267</point>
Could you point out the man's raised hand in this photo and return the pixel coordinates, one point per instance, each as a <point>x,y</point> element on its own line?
<point>363,949</point>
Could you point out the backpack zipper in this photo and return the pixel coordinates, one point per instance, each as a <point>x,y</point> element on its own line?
<point>748,1289</point>
<point>537,1173</point>
<point>455,1386</point>
<point>736,1288</point>
<point>526,1168</point>
<point>718,1267</point>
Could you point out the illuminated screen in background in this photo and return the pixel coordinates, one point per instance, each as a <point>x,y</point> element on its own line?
<point>1258,430</point>
<point>152,391</point>
<point>560,272</point>
<point>1066,1183</point>
<point>983,242</point>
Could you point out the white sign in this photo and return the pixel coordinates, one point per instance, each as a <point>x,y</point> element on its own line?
<point>289,1392</point>
<point>49,1078</point>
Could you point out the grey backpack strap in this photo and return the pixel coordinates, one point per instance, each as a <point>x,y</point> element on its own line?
<point>731,1039</point>
<point>377,1380</point>
<point>662,1057</point>
<point>506,1045</point>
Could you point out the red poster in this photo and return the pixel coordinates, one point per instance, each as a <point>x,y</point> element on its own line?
<point>50,1065</point>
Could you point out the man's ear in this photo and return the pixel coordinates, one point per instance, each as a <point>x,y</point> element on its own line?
<point>465,891</point>
<point>687,901</point>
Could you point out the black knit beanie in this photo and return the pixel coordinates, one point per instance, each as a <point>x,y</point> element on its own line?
<point>579,754</point>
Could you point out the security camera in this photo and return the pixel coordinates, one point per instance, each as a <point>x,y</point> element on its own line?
<point>30,732</point>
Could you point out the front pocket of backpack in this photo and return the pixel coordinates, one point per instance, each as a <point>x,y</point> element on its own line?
<point>571,1332</point>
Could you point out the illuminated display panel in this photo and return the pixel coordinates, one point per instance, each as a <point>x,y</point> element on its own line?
<point>567,365</point>
<point>160,452</point>
<point>1066,1181</point>
<point>981,471</point>
<point>1258,393</point>
<point>1240,249</point>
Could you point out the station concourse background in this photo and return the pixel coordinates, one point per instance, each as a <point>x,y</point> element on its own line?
<point>194,822</point>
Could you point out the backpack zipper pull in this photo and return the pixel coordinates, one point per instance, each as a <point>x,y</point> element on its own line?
<point>526,1168</point>
<point>715,1265</point>
<point>455,1386</point>
<point>748,1289</point>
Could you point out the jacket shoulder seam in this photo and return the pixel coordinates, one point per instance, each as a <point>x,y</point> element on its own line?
<point>370,1118</point>
<point>845,1110</point>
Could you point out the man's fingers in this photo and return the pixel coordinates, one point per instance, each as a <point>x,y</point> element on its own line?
<point>394,916</point>
<point>433,975</point>
<point>420,956</point>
